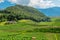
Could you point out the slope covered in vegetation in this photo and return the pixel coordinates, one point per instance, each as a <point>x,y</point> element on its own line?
<point>18,12</point>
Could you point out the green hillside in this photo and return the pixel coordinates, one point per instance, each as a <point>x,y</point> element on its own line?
<point>18,12</point>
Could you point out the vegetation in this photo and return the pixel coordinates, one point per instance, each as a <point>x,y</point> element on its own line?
<point>26,29</point>
<point>18,12</point>
<point>50,30</point>
<point>27,23</point>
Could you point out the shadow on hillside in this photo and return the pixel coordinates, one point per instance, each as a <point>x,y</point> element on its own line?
<point>46,30</point>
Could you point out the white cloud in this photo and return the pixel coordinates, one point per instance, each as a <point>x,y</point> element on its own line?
<point>1,1</point>
<point>41,4</point>
<point>21,2</point>
<point>38,3</point>
<point>13,1</point>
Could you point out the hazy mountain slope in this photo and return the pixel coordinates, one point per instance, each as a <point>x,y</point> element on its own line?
<point>55,11</point>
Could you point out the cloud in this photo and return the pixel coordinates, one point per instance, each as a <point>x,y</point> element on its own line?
<point>38,3</point>
<point>13,1</point>
<point>1,1</point>
<point>42,3</point>
<point>21,2</point>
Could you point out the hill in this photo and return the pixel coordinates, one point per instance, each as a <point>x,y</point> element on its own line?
<point>18,12</point>
<point>55,11</point>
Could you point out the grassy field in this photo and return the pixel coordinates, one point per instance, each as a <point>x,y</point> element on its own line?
<point>24,30</point>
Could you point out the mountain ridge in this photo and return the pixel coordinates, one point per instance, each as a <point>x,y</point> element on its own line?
<point>55,11</point>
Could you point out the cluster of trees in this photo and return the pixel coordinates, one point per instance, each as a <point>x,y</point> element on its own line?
<point>48,30</point>
<point>15,13</point>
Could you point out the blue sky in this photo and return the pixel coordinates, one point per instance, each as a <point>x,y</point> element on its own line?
<point>40,4</point>
<point>43,4</point>
<point>4,4</point>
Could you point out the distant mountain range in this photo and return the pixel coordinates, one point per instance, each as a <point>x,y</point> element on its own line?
<point>55,11</point>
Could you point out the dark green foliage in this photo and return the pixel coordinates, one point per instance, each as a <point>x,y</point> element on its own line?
<point>2,18</point>
<point>18,12</point>
<point>48,30</point>
<point>51,30</point>
<point>11,18</point>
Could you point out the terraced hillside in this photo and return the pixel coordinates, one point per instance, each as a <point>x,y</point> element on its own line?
<point>29,30</point>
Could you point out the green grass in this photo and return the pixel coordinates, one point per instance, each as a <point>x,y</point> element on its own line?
<point>19,30</point>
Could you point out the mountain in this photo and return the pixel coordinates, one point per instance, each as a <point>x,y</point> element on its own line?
<point>55,11</point>
<point>19,12</point>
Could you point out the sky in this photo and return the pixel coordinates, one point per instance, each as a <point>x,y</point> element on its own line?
<point>40,4</point>
<point>43,4</point>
